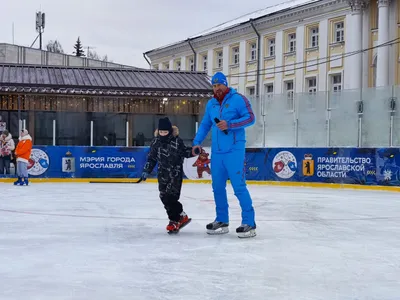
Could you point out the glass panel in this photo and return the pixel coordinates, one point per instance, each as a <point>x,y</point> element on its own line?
<point>109,129</point>
<point>44,127</point>
<point>343,118</point>
<point>143,128</point>
<point>254,134</point>
<point>396,118</point>
<point>376,117</point>
<point>311,114</point>
<point>73,129</point>
<point>279,122</point>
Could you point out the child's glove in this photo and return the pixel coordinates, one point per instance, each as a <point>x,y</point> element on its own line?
<point>144,176</point>
<point>196,150</point>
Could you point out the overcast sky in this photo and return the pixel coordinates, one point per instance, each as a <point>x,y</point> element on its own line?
<point>122,29</point>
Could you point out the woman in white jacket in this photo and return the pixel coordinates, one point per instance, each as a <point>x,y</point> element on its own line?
<point>7,145</point>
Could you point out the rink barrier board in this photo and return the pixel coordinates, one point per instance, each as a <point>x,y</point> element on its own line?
<point>369,168</point>
<point>250,182</point>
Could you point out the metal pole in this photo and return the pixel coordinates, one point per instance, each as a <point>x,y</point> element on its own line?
<point>328,119</point>
<point>359,131</point>
<point>91,133</point>
<point>127,133</point>
<point>24,124</point>
<point>54,132</point>
<point>197,127</point>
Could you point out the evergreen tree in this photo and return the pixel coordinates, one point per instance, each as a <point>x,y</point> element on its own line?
<point>78,48</point>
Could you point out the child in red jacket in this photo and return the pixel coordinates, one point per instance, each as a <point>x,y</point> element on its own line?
<point>23,153</point>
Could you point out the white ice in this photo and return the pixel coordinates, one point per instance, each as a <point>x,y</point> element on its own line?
<point>108,241</point>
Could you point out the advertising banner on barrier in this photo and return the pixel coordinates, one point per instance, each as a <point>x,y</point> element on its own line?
<point>87,162</point>
<point>328,165</point>
<point>370,166</point>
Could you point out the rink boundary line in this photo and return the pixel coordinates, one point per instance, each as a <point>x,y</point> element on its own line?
<point>207,181</point>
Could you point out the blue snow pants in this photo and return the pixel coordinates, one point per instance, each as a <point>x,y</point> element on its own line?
<point>231,165</point>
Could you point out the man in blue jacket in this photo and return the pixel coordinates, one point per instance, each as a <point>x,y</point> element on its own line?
<point>227,114</point>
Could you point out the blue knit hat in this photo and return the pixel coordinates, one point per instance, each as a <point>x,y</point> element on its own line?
<point>219,78</point>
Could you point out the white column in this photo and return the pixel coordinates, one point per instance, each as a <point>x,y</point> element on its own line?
<point>225,63</point>
<point>278,62</point>
<point>382,68</point>
<point>210,62</point>
<point>242,67</point>
<point>366,37</point>
<point>323,53</point>
<point>299,73</point>
<point>183,62</point>
<point>354,25</point>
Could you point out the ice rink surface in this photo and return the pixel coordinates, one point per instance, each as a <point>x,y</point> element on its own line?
<point>108,242</point>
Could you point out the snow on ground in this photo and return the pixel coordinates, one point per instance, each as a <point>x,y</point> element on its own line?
<point>108,241</point>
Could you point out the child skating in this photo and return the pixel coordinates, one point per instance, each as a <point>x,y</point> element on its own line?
<point>168,150</point>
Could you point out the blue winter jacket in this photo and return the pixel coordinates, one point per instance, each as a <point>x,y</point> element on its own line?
<point>237,112</point>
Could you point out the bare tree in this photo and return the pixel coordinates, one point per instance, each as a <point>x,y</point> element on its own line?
<point>92,54</point>
<point>54,46</point>
<point>105,58</point>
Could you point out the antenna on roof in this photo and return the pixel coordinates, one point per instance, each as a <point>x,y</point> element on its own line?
<point>40,24</point>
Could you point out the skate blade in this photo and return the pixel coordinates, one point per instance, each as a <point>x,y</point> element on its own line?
<point>218,231</point>
<point>248,234</point>
<point>184,224</point>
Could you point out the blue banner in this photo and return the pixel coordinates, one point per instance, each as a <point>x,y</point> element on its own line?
<point>87,162</point>
<point>366,166</point>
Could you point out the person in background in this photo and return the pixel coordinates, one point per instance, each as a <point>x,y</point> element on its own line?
<point>7,145</point>
<point>227,114</point>
<point>23,153</point>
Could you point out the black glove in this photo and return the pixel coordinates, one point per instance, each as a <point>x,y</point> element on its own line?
<point>197,151</point>
<point>144,176</point>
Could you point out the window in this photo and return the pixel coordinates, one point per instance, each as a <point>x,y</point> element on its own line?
<point>205,62</point>
<point>251,91</point>
<point>155,67</point>
<point>289,94</point>
<point>178,65</point>
<point>253,51</point>
<point>220,59</point>
<point>271,47</point>
<point>166,66</point>
<point>313,37</point>
<point>291,42</point>
<point>312,85</point>
<point>191,64</point>
<point>235,55</point>
<point>336,82</point>
<point>269,90</point>
<point>339,32</point>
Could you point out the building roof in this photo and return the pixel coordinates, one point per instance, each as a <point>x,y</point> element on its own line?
<point>103,81</point>
<point>285,6</point>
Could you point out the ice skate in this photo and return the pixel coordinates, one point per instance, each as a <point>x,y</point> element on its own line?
<point>246,231</point>
<point>184,220</point>
<point>19,181</point>
<point>215,228</point>
<point>173,227</point>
